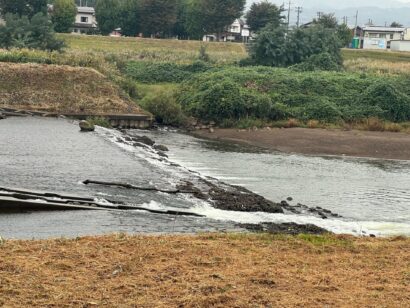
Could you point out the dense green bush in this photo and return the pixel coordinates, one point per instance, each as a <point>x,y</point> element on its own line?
<point>152,72</point>
<point>319,62</point>
<point>237,93</point>
<point>275,46</point>
<point>164,107</point>
<point>321,109</point>
<point>394,103</point>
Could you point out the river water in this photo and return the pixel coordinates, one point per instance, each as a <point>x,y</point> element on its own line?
<point>52,155</point>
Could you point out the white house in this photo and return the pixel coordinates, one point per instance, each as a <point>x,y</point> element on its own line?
<point>85,20</point>
<point>381,37</point>
<point>239,31</point>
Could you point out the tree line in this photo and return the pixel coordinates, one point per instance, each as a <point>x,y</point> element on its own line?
<point>166,18</point>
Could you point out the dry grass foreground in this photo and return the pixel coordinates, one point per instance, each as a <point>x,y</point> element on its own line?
<point>61,89</point>
<point>211,270</point>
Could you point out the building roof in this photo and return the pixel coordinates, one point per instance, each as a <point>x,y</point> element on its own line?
<point>383,29</point>
<point>85,10</point>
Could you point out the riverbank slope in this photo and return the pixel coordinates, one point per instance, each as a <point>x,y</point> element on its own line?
<point>234,270</point>
<point>61,89</point>
<point>383,145</point>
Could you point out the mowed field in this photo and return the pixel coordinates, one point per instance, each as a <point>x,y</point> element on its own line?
<point>154,49</point>
<point>206,271</point>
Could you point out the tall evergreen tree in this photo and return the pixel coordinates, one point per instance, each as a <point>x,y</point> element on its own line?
<point>63,15</point>
<point>263,13</point>
<point>107,14</point>
<point>158,16</point>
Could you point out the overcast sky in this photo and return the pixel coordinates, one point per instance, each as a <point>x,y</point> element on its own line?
<point>379,12</point>
<point>339,4</point>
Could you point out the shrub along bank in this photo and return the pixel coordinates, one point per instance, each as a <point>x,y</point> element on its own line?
<point>276,94</point>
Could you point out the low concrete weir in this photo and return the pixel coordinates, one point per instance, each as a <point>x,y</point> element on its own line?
<point>116,120</point>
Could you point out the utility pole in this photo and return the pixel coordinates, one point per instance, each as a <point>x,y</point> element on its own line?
<point>345,19</point>
<point>299,10</point>
<point>355,26</point>
<point>290,3</point>
<point>319,15</point>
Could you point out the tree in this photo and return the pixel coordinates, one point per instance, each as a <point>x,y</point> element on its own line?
<point>129,17</point>
<point>328,21</point>
<point>273,47</point>
<point>218,14</point>
<point>262,13</point>
<point>23,7</point>
<point>180,29</point>
<point>345,34</point>
<point>158,16</point>
<point>63,15</point>
<point>107,13</point>
<point>395,24</point>
<point>212,16</point>
<point>35,33</point>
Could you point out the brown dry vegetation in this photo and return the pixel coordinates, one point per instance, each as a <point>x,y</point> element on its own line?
<point>203,271</point>
<point>61,89</point>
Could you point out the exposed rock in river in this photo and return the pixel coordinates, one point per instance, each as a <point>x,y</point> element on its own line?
<point>86,126</point>
<point>161,148</point>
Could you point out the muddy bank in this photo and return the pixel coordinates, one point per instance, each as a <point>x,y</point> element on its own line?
<point>383,145</point>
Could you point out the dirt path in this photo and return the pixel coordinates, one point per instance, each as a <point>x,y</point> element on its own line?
<point>206,271</point>
<point>320,141</point>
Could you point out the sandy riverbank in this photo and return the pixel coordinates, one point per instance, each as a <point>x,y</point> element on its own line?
<point>235,270</point>
<point>385,145</point>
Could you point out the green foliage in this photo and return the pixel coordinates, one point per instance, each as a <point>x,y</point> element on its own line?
<point>263,13</point>
<point>328,21</point>
<point>211,16</point>
<point>319,62</point>
<point>151,72</point>
<point>320,109</point>
<point>386,96</point>
<point>272,94</point>
<point>23,7</point>
<point>163,105</point>
<point>21,32</point>
<point>63,16</point>
<point>273,47</point>
<point>107,13</point>
<point>99,121</point>
<point>158,17</point>
<point>129,17</point>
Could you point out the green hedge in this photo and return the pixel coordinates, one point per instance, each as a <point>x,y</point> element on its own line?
<point>275,94</point>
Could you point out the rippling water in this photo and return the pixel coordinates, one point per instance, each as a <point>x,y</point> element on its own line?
<point>52,155</point>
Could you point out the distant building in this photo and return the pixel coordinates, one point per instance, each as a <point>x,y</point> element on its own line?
<point>85,20</point>
<point>381,37</point>
<point>239,31</point>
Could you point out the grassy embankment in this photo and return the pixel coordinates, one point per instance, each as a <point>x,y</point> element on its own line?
<point>206,271</point>
<point>60,89</point>
<point>165,77</point>
<point>159,67</point>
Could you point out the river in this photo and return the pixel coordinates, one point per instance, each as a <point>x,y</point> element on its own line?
<point>52,155</point>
